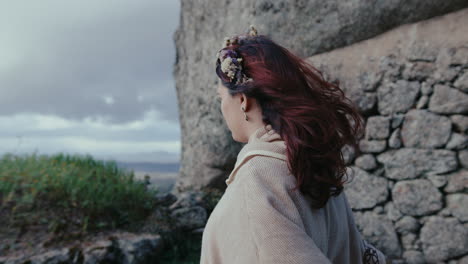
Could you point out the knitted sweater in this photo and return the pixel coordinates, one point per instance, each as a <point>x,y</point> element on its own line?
<point>257,220</point>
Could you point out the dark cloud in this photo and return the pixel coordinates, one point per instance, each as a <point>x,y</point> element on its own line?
<point>124,51</point>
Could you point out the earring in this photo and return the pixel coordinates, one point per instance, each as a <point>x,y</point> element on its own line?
<point>246,118</point>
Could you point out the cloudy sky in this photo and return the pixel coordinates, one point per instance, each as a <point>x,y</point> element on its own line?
<point>89,77</point>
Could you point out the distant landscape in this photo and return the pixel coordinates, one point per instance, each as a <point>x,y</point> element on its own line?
<point>161,175</point>
<point>150,166</point>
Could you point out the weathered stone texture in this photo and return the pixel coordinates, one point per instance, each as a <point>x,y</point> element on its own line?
<point>208,150</point>
<point>410,83</point>
<point>423,129</point>
<point>416,197</point>
<point>379,231</point>
<point>408,163</point>
<point>365,190</point>
<point>443,238</point>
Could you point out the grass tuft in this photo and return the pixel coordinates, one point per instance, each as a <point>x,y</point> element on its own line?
<point>90,193</point>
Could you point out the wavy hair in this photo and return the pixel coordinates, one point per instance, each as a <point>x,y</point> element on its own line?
<point>312,115</point>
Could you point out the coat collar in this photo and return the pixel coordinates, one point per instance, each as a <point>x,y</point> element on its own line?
<point>264,141</point>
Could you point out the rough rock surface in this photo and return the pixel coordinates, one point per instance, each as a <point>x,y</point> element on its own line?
<point>121,247</point>
<point>408,163</point>
<point>443,238</point>
<point>416,197</point>
<point>305,27</point>
<point>397,97</point>
<point>379,231</point>
<point>365,190</point>
<point>446,100</point>
<point>458,205</point>
<point>418,129</point>
<point>366,162</point>
<point>410,85</point>
<point>457,181</point>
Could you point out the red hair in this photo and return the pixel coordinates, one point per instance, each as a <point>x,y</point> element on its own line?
<point>313,116</point>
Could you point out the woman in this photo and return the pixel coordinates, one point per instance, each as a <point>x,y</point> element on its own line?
<point>284,201</point>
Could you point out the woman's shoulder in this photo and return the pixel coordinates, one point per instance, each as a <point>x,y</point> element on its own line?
<point>261,172</point>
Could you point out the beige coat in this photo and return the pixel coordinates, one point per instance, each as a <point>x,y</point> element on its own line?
<point>258,221</point>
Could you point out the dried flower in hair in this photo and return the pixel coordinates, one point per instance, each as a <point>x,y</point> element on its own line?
<point>231,61</point>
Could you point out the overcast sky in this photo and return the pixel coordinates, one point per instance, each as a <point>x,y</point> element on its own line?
<point>89,77</point>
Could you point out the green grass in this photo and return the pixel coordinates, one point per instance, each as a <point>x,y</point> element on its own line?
<point>65,193</point>
<point>97,193</point>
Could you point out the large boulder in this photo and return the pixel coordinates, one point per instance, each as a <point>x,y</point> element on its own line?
<point>306,28</point>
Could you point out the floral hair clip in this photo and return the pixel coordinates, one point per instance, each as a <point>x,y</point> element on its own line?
<point>229,59</point>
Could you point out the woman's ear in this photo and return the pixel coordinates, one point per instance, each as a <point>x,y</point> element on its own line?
<point>244,102</point>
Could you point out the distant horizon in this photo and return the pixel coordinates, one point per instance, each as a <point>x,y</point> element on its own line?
<point>168,166</point>
<point>113,97</point>
<point>98,157</point>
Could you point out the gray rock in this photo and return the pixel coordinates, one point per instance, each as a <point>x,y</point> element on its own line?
<point>119,247</point>
<point>187,199</point>
<point>365,190</point>
<point>397,97</point>
<point>55,256</point>
<point>123,247</point>
<point>370,80</point>
<point>457,181</point>
<point>408,163</point>
<point>414,257</point>
<point>189,218</point>
<point>443,239</point>
<point>445,212</point>
<point>366,102</point>
<point>463,260</point>
<point>458,205</point>
<point>372,146</point>
<point>391,67</point>
<point>141,248</point>
<point>208,150</point>
<point>409,241</point>
<point>397,120</point>
<point>457,141</point>
<point>378,210</point>
<point>446,74</point>
<point>418,70</point>
<point>460,122</point>
<point>379,231</point>
<point>406,225</point>
<point>461,56</point>
<point>463,158</point>
<point>422,51</point>
<point>462,82</point>
<point>101,251</point>
<point>422,102</point>
<point>418,129</point>
<point>416,197</point>
<point>392,212</point>
<point>165,199</point>
<point>377,127</point>
<point>446,100</point>
<point>426,88</point>
<point>366,162</point>
<point>445,57</point>
<point>395,139</point>
<point>437,180</point>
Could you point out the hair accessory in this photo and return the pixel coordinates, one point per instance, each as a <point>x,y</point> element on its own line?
<point>231,61</point>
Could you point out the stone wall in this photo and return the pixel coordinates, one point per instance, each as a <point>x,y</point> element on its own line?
<point>410,83</point>
<point>305,27</point>
<point>409,187</point>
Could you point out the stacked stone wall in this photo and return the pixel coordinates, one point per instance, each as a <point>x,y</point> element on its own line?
<point>409,185</point>
<point>409,193</point>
